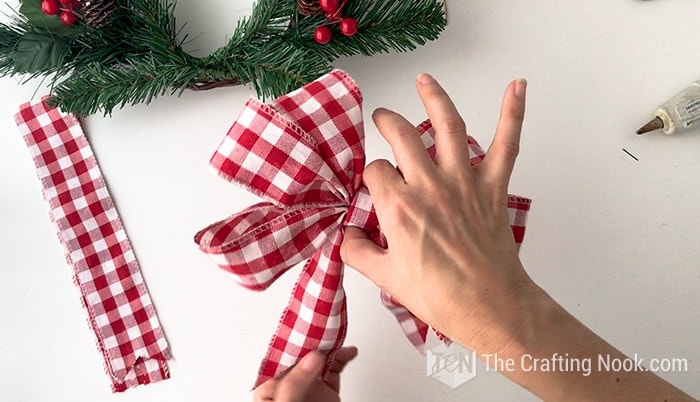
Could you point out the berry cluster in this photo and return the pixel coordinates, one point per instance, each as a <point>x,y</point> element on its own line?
<point>333,8</point>
<point>65,7</point>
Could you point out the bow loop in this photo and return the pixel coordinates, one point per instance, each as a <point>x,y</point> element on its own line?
<point>330,111</point>
<point>262,242</point>
<point>304,153</point>
<point>274,158</point>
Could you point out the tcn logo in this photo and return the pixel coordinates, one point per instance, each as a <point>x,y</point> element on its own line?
<point>451,363</point>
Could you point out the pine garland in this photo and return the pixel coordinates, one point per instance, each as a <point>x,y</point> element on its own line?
<point>140,56</point>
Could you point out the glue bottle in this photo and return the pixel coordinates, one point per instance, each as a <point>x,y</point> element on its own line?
<point>681,113</point>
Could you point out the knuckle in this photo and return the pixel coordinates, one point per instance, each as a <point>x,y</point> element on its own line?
<point>453,124</point>
<point>403,131</point>
<point>510,149</point>
<point>377,171</point>
<point>377,166</point>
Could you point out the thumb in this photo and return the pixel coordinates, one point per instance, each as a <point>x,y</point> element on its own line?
<point>363,254</point>
<point>296,385</point>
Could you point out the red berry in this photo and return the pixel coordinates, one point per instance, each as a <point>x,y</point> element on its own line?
<point>50,7</point>
<point>68,18</point>
<point>66,3</point>
<point>348,26</point>
<point>323,34</point>
<point>329,6</point>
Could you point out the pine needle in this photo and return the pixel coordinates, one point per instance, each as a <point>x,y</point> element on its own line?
<point>140,56</point>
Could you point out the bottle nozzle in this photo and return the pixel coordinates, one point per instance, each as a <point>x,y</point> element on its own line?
<point>656,124</point>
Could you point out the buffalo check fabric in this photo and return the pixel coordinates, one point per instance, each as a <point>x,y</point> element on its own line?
<point>105,269</point>
<point>304,155</point>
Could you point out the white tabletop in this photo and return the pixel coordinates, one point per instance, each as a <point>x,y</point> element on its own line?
<point>612,238</point>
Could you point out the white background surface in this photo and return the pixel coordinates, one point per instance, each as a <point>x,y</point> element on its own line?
<point>613,239</point>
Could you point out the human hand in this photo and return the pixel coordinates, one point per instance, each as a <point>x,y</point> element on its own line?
<point>303,382</point>
<point>451,257</point>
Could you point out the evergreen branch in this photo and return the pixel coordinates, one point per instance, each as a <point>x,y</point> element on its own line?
<point>260,51</point>
<point>140,27</point>
<point>268,18</point>
<point>104,46</point>
<point>283,68</point>
<point>140,55</point>
<point>153,27</point>
<point>97,88</point>
<point>9,37</point>
<point>389,25</point>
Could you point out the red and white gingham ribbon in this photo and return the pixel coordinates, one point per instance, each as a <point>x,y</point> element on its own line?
<point>304,154</point>
<point>105,269</point>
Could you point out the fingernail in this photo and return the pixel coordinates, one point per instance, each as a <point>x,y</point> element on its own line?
<point>311,362</point>
<point>520,86</point>
<point>426,79</point>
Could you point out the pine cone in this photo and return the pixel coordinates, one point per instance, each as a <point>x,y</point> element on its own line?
<point>308,7</point>
<point>98,13</point>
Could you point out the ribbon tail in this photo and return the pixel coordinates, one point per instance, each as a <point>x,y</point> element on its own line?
<point>104,267</point>
<point>316,316</point>
<point>415,330</point>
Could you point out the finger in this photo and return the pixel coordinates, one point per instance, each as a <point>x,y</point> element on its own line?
<point>265,391</point>
<point>297,384</point>
<point>406,145</point>
<point>498,163</point>
<point>361,253</point>
<point>381,177</point>
<point>450,131</point>
<point>342,357</point>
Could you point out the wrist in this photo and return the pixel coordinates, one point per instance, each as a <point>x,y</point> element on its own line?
<point>539,314</point>
<point>508,321</point>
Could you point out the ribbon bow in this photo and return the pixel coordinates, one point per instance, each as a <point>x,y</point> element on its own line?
<point>304,154</point>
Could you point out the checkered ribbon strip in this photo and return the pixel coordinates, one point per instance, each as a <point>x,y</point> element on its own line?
<point>304,154</point>
<point>105,269</point>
